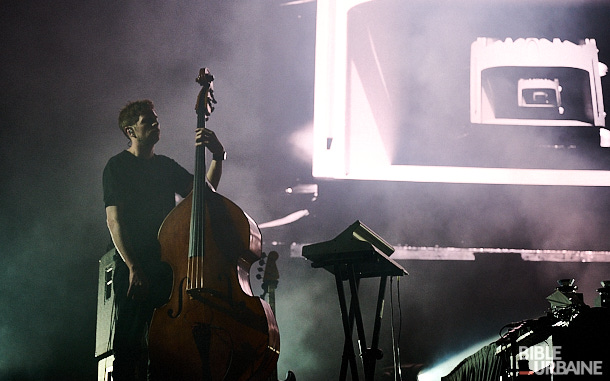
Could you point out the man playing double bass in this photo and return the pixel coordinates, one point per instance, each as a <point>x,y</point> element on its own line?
<point>140,189</point>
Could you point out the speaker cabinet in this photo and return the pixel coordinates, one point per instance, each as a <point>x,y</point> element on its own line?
<point>105,312</point>
<point>105,303</point>
<point>104,369</point>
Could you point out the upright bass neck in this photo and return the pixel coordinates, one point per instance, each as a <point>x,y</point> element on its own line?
<point>204,108</point>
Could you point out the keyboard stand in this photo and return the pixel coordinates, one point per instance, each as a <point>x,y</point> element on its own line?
<point>356,253</point>
<point>346,272</point>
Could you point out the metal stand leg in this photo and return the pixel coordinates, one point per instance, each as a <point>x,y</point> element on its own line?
<point>372,354</point>
<point>348,349</point>
<point>369,355</point>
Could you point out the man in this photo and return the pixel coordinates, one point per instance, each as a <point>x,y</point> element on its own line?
<point>139,191</point>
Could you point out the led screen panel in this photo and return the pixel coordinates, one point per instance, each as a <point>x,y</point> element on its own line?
<point>392,97</point>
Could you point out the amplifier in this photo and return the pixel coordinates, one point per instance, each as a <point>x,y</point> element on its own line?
<point>104,368</point>
<point>105,303</point>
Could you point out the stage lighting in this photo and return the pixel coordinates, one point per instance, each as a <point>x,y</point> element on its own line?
<point>603,299</point>
<point>536,82</point>
<point>565,302</point>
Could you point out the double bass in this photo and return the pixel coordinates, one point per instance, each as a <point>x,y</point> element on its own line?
<point>212,328</point>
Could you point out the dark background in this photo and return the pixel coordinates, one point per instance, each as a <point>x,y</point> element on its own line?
<point>68,67</point>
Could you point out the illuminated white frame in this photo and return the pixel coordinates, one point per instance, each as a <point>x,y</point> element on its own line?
<point>489,53</point>
<point>329,123</point>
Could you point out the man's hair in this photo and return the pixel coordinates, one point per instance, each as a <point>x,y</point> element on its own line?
<point>130,114</point>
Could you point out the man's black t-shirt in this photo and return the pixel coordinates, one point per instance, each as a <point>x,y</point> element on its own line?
<point>145,190</point>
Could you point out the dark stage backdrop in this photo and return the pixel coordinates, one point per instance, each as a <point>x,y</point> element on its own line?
<point>68,67</point>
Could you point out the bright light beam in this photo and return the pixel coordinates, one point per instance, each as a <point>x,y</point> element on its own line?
<point>292,217</point>
<point>447,365</point>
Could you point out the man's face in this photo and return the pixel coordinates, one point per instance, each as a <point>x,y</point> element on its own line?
<point>147,129</point>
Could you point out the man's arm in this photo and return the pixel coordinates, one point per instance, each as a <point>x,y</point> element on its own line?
<point>208,138</point>
<point>214,173</point>
<point>138,284</point>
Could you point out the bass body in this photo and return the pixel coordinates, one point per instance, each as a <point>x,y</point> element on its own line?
<point>212,327</point>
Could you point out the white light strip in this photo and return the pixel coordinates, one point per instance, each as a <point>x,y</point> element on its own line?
<point>292,217</point>
<point>478,175</point>
<point>468,254</point>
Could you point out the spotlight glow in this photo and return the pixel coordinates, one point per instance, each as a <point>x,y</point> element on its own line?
<point>447,365</point>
